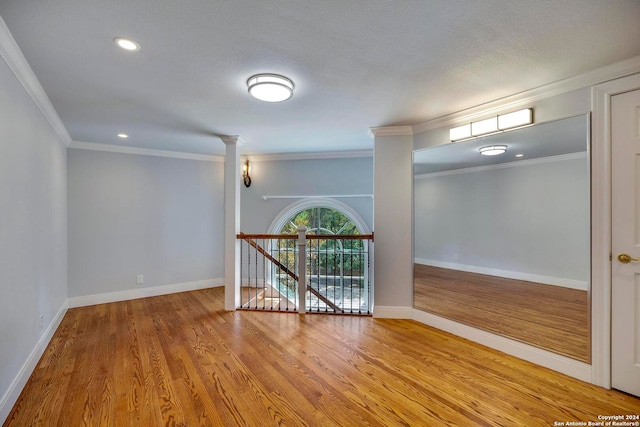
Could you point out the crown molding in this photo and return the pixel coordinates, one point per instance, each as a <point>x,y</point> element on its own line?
<point>512,164</point>
<point>524,99</point>
<point>123,149</point>
<point>309,156</point>
<point>12,55</point>
<point>391,131</point>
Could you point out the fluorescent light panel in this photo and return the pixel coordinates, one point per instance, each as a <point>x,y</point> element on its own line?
<point>461,132</point>
<point>515,119</point>
<point>484,127</point>
<point>492,125</point>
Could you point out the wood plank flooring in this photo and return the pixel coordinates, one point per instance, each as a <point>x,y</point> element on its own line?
<point>181,360</point>
<point>546,316</point>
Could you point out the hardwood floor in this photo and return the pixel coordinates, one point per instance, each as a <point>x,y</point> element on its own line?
<point>182,360</point>
<point>550,317</point>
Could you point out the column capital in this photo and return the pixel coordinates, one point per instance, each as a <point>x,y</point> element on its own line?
<point>232,140</point>
<point>390,131</point>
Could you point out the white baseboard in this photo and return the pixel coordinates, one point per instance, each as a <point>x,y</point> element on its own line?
<point>537,278</point>
<point>130,294</point>
<point>556,362</point>
<point>13,392</point>
<point>391,312</point>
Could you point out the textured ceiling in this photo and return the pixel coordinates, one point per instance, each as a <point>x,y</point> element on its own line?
<point>355,63</point>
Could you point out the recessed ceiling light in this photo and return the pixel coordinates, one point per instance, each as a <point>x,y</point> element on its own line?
<point>519,155</point>
<point>126,44</point>
<point>493,150</point>
<point>123,135</point>
<point>270,87</point>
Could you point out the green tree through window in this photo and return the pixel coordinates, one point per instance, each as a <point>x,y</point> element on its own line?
<point>327,256</point>
<point>320,221</point>
<point>337,268</point>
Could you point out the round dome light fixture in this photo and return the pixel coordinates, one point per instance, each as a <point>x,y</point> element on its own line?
<point>270,87</point>
<point>126,44</point>
<point>493,150</point>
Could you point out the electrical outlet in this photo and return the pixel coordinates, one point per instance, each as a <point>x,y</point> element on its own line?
<point>455,256</point>
<point>41,321</point>
<point>140,279</point>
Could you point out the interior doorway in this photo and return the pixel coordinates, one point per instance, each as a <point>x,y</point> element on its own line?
<point>625,242</point>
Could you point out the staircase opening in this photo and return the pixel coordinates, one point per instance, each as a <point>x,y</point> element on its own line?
<point>337,251</point>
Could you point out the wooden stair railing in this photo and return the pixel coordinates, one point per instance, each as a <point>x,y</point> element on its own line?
<point>289,273</point>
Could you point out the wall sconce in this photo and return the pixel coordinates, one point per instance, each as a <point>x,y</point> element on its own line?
<point>245,174</point>
<point>492,125</point>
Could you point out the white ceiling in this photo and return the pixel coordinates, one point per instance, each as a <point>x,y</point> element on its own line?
<point>355,63</point>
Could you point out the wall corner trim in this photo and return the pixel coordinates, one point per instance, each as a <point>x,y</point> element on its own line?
<point>12,55</point>
<point>13,392</point>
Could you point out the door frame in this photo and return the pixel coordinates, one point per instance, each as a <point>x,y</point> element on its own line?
<point>601,222</point>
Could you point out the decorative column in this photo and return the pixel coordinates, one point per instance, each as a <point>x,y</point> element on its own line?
<point>232,176</point>
<point>392,221</point>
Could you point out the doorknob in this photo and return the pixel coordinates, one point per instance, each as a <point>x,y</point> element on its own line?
<point>626,259</point>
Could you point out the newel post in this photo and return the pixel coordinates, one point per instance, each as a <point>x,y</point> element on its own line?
<point>302,268</point>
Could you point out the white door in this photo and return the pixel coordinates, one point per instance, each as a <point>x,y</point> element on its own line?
<point>625,303</point>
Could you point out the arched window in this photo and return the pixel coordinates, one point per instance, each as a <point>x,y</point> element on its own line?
<point>320,216</point>
<point>337,270</point>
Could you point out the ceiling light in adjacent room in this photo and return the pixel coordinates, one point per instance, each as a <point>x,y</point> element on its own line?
<point>270,87</point>
<point>493,150</point>
<point>123,136</point>
<point>126,44</point>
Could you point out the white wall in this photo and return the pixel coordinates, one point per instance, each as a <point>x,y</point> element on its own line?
<point>317,177</point>
<point>392,225</point>
<point>33,234</point>
<point>134,214</point>
<point>531,220</point>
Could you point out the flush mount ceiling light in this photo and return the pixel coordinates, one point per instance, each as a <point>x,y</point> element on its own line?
<point>493,150</point>
<point>270,87</point>
<point>126,44</point>
<point>494,124</point>
<point>123,136</point>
